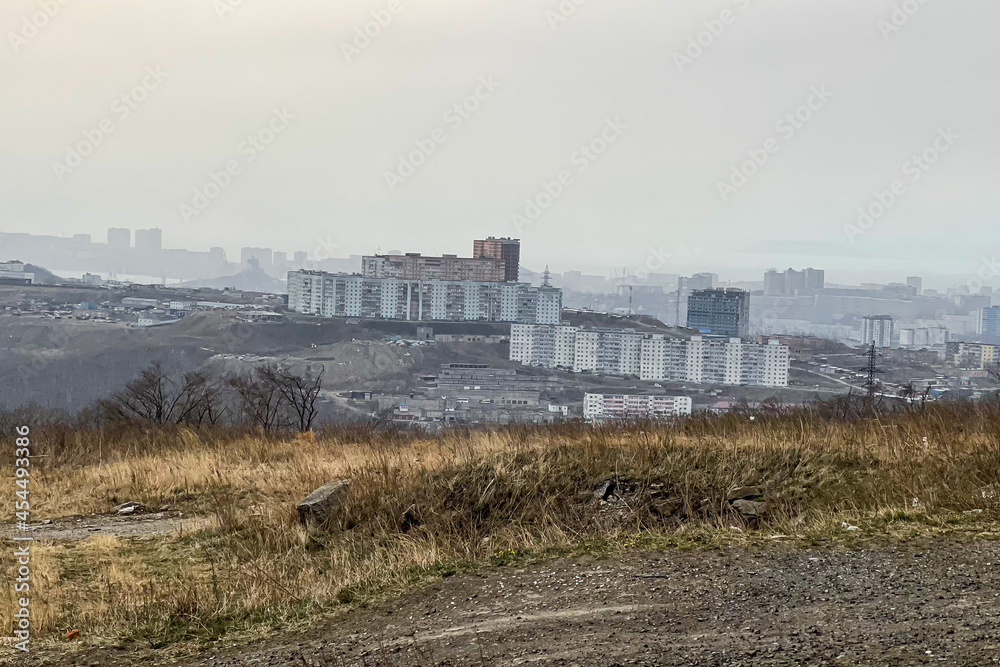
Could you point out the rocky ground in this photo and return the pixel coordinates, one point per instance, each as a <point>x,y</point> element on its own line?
<point>76,528</point>
<point>917,603</point>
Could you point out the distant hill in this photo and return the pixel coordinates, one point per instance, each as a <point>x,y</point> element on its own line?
<point>250,280</point>
<point>641,323</point>
<point>43,276</point>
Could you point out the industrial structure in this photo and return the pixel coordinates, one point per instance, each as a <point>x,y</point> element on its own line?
<point>477,393</point>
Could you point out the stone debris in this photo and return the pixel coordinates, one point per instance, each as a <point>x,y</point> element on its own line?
<point>319,505</point>
<point>129,508</point>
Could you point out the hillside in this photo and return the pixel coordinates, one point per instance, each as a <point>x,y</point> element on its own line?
<point>789,540</point>
<point>70,363</point>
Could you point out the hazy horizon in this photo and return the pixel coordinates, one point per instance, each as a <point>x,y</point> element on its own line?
<point>211,73</point>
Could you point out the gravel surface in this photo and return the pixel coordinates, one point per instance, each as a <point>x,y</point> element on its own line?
<point>917,603</point>
<point>78,528</point>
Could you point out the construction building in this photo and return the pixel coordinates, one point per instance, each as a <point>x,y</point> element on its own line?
<point>720,312</point>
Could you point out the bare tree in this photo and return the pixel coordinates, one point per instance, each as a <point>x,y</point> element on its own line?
<point>298,393</point>
<point>155,398</point>
<point>201,399</point>
<point>994,371</point>
<point>260,400</point>
<point>150,397</point>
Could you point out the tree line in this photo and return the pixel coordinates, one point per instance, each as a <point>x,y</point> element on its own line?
<point>267,397</point>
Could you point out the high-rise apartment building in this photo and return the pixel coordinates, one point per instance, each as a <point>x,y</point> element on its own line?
<point>916,283</point>
<point>794,283</point>
<point>120,238</point>
<point>414,266</point>
<point>702,281</point>
<point>877,329</point>
<point>149,240</point>
<point>654,358</point>
<point>346,295</point>
<point>720,312</point>
<point>506,249</point>
<point>989,323</point>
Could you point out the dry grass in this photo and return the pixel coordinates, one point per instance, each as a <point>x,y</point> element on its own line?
<point>421,506</point>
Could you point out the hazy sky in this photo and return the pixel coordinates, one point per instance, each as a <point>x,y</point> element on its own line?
<point>609,75</point>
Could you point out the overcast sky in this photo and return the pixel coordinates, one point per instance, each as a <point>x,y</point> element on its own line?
<point>611,75</point>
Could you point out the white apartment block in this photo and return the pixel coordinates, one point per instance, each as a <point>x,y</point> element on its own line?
<point>346,295</point>
<point>624,406</point>
<point>654,358</point>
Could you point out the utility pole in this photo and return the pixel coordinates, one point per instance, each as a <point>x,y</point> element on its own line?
<point>871,382</point>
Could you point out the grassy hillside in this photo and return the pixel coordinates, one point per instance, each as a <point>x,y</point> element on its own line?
<point>422,506</point>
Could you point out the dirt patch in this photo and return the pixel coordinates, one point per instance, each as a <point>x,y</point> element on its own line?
<point>83,527</point>
<point>918,603</point>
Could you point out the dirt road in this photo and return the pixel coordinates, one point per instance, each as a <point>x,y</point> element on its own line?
<point>920,603</point>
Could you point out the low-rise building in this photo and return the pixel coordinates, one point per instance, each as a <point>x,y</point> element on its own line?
<point>13,273</point>
<point>626,406</point>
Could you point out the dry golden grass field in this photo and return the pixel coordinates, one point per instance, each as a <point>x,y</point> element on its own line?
<point>425,506</point>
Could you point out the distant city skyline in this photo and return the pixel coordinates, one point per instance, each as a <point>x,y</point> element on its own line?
<point>754,265</point>
<point>800,134</point>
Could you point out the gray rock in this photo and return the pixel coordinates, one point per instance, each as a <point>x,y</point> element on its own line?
<point>130,508</point>
<point>746,493</point>
<point>320,504</point>
<point>749,508</point>
<point>605,489</point>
